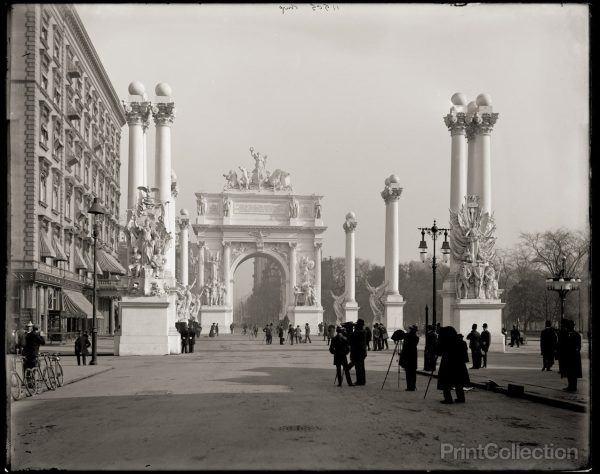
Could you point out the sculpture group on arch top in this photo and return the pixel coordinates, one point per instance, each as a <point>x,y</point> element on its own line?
<point>260,178</point>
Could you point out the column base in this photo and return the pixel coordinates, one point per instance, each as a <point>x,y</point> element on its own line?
<point>147,326</point>
<point>221,315</point>
<point>478,311</point>
<point>300,315</point>
<point>351,311</point>
<point>393,316</point>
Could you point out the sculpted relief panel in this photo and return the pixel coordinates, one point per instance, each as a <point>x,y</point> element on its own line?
<point>260,208</point>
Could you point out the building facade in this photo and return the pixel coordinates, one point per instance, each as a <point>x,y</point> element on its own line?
<point>65,122</point>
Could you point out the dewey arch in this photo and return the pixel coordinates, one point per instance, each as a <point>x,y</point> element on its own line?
<point>248,220</point>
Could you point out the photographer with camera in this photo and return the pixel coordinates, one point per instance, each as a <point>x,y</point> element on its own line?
<point>409,356</point>
<point>340,348</point>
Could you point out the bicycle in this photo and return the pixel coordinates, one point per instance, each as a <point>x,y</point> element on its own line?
<point>58,370</point>
<point>47,372</point>
<point>29,384</point>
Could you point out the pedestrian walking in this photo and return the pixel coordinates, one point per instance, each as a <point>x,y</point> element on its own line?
<point>409,357</point>
<point>217,329</point>
<point>291,334</point>
<point>430,355</point>
<point>485,341</point>
<point>307,333</point>
<point>515,337</point>
<point>78,349</point>
<point>453,371</point>
<point>548,345</point>
<point>231,327</point>
<point>320,326</point>
<point>569,356</point>
<point>340,348</point>
<point>184,338</point>
<point>298,334</point>
<point>211,333</point>
<point>383,336</point>
<point>358,350</point>
<point>474,344</point>
<point>280,334</point>
<point>374,335</point>
<point>268,330</point>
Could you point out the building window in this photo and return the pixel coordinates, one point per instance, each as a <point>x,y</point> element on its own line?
<point>86,175</point>
<point>57,46</point>
<point>43,183</point>
<point>57,95</point>
<point>94,176</point>
<point>68,202</point>
<point>44,120</point>
<point>55,193</point>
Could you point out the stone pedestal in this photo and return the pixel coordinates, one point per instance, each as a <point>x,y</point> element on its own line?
<point>221,315</point>
<point>393,316</point>
<point>467,312</point>
<point>350,311</point>
<point>147,326</point>
<point>300,315</point>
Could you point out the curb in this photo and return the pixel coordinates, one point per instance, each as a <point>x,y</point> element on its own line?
<point>554,402</point>
<point>83,377</point>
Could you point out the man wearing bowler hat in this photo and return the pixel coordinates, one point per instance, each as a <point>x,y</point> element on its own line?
<point>358,351</point>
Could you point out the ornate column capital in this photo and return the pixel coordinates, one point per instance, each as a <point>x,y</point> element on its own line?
<point>480,123</point>
<point>164,113</point>
<point>456,122</point>
<point>390,194</point>
<point>226,244</point>
<point>351,223</point>
<point>183,223</point>
<point>136,113</point>
<point>293,245</point>
<point>318,245</point>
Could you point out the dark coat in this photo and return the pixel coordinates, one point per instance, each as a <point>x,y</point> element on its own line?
<point>570,356</point>
<point>33,340</point>
<point>548,342</point>
<point>192,337</point>
<point>339,347</point>
<point>85,343</point>
<point>453,371</point>
<point>409,355</point>
<point>358,344</point>
<point>485,340</point>
<point>370,334</point>
<point>474,341</point>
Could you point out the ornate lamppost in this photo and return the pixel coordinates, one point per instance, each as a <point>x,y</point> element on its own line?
<point>434,232</point>
<point>98,211</point>
<point>563,284</point>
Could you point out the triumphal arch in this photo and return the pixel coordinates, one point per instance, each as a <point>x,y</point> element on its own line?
<point>258,214</point>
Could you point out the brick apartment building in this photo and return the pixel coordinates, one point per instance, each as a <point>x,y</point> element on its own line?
<point>65,123</point>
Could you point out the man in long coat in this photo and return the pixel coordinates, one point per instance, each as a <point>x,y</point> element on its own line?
<point>340,348</point>
<point>485,341</point>
<point>453,372</point>
<point>548,343</point>
<point>358,351</point>
<point>570,356</point>
<point>474,337</point>
<point>409,357</point>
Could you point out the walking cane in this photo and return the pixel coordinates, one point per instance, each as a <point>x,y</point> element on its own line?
<point>388,370</point>
<point>430,377</point>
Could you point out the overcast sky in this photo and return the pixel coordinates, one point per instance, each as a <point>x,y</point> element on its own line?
<point>342,98</point>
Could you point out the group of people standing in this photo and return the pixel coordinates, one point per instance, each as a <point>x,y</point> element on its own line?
<point>189,334</point>
<point>350,339</point>
<point>295,333</point>
<point>565,346</point>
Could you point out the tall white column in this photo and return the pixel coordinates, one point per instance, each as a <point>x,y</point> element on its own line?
<point>293,264</point>
<point>134,115</point>
<point>318,258</point>
<point>164,113</point>
<point>184,222</point>
<point>393,318</point>
<point>350,306</point>
<point>227,272</point>
<point>391,196</point>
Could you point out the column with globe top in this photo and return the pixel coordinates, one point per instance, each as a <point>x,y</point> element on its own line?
<point>350,305</point>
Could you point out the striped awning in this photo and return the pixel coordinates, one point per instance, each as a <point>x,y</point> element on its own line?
<point>79,260</point>
<point>109,263</point>
<point>90,264</point>
<point>77,305</point>
<point>61,255</point>
<point>46,247</point>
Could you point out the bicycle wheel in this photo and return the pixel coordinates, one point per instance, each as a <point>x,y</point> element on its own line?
<point>16,387</point>
<point>30,382</point>
<point>38,379</point>
<point>50,378</point>
<point>60,378</point>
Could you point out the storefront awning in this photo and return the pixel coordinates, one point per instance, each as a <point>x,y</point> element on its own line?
<point>79,260</point>
<point>77,305</point>
<point>109,263</point>
<point>46,248</point>
<point>60,252</point>
<point>90,264</point>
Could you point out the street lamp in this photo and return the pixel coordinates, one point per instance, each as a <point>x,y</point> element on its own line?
<point>563,284</point>
<point>434,232</point>
<point>98,211</point>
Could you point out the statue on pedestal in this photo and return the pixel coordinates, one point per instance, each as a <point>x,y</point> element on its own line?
<point>338,301</point>
<point>376,300</point>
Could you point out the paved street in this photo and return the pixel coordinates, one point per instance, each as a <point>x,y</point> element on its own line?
<point>239,404</point>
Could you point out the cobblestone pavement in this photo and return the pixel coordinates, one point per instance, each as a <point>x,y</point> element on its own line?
<point>239,404</point>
